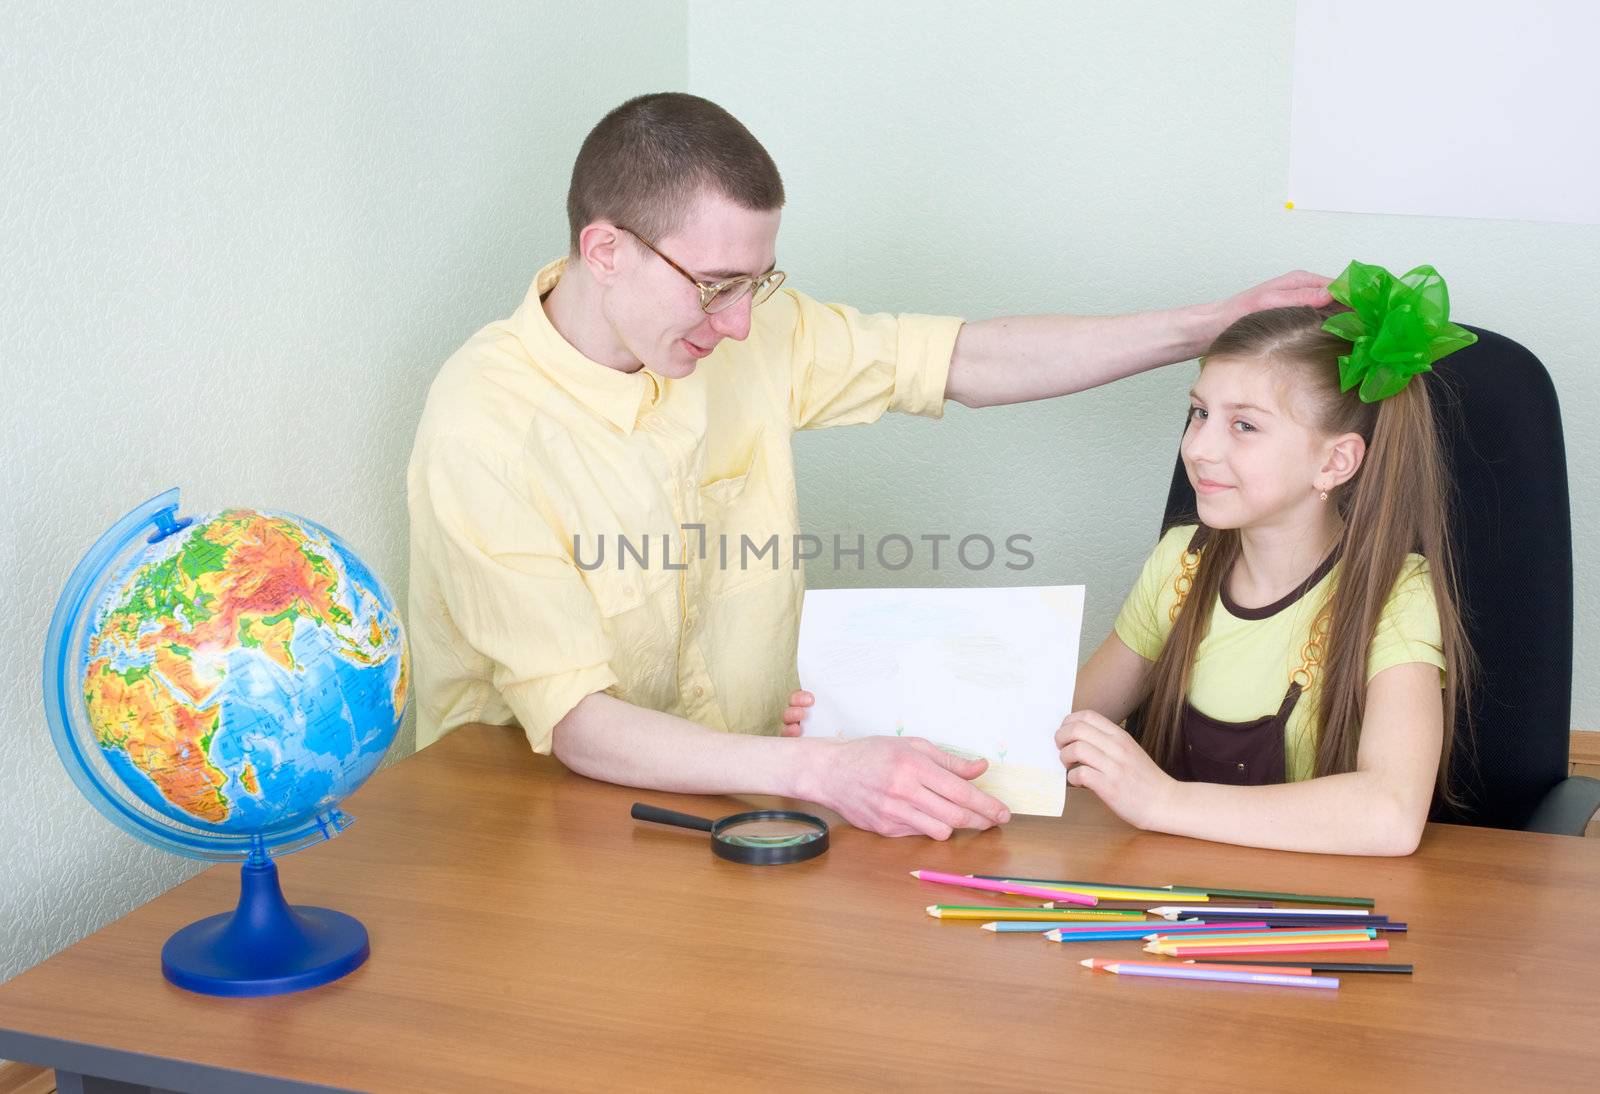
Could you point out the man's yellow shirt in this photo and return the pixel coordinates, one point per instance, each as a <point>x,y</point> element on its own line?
<point>577,529</point>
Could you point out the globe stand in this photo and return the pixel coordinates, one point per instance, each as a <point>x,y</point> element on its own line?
<point>264,946</point>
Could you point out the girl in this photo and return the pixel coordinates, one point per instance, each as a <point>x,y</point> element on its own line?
<point>1296,658</point>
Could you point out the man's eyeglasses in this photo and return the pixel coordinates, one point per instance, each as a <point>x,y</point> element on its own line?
<point>718,296</point>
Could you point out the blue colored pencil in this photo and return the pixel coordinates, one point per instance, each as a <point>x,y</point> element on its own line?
<point>1057,934</point>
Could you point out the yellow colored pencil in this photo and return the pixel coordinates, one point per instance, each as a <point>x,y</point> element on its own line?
<point>1065,915</point>
<point>1107,892</point>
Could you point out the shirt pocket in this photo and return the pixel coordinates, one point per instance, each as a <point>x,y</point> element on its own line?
<point>747,539</point>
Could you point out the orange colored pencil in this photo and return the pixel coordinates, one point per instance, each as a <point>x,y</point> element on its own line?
<point>1098,962</point>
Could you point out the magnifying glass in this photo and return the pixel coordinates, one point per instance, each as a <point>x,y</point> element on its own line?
<point>762,837</point>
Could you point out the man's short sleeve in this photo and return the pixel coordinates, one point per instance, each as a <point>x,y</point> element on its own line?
<point>849,368</point>
<point>1408,628</point>
<point>1144,621</point>
<point>509,584</point>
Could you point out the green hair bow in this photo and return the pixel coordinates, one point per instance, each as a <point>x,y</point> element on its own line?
<point>1398,326</point>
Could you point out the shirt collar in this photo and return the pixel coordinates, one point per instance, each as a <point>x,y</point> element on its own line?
<point>618,397</point>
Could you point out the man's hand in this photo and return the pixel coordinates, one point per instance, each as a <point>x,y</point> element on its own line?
<point>900,786</point>
<point>795,716</point>
<point>1294,289</point>
<point>1102,756</point>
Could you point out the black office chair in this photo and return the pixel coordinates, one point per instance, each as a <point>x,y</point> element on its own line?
<point>1512,533</point>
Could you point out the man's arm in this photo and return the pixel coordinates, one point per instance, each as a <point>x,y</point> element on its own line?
<point>891,785</point>
<point>1020,358</point>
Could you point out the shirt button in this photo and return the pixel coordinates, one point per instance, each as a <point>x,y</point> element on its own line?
<point>1240,766</point>
<point>699,692</point>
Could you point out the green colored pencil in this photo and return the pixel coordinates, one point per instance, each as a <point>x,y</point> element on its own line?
<point>1293,898</point>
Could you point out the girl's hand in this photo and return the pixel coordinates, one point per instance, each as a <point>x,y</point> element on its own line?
<point>1100,755</point>
<point>799,703</point>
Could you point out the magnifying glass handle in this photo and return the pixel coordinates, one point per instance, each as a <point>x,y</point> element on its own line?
<point>644,812</point>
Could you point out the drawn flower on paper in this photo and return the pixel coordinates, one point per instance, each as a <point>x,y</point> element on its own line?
<point>899,728</point>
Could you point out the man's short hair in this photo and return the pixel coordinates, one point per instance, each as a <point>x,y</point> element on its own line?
<point>642,166</point>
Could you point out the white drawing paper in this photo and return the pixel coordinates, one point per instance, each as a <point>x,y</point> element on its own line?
<point>979,672</point>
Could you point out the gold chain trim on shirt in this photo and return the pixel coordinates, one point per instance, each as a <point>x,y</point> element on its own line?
<point>1310,653</point>
<point>1183,583</point>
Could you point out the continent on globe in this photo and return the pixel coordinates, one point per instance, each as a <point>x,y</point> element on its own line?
<point>236,625</point>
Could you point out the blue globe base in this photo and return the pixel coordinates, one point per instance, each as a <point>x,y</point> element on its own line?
<point>265,946</point>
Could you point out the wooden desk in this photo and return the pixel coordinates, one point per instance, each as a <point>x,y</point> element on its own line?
<point>527,934</point>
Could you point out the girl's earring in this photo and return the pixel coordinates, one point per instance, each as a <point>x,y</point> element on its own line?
<point>1324,495</point>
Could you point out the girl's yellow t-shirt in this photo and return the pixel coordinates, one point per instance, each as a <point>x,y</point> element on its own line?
<point>1244,665</point>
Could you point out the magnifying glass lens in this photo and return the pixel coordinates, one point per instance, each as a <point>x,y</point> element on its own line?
<point>770,832</point>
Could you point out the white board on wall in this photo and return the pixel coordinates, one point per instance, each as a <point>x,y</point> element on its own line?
<point>1468,108</point>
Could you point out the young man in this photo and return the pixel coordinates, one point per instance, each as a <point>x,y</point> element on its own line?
<point>644,395</point>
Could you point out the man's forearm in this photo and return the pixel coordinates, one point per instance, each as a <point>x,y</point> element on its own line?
<point>1020,358</point>
<point>1026,357</point>
<point>617,742</point>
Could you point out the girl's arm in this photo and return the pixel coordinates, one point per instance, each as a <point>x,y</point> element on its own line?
<point>1377,809</point>
<point>1113,681</point>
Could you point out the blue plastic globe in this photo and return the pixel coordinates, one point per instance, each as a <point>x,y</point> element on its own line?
<point>217,685</point>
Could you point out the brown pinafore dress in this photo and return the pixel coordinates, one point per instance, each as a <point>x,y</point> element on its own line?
<point>1246,753</point>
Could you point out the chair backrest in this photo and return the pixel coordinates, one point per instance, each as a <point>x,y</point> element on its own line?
<point>1512,532</point>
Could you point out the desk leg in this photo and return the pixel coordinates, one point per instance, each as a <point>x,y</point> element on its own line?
<point>70,1082</point>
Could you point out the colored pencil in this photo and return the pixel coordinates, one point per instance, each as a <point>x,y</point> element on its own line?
<point>1171,949</point>
<point>1314,966</point>
<point>1100,888</point>
<point>1087,915</point>
<point>1332,922</point>
<point>1110,934</point>
<point>1178,911</point>
<point>1085,930</point>
<point>1181,972</point>
<point>1175,911</point>
<point>1268,937</point>
<point>1053,895</point>
<point>1276,968</point>
<point>1024,926</point>
<point>1293,898</point>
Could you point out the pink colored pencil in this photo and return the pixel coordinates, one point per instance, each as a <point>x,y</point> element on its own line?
<point>1171,931</point>
<point>1057,895</point>
<point>1240,951</point>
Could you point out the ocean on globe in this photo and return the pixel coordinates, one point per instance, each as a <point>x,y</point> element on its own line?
<point>243,673</point>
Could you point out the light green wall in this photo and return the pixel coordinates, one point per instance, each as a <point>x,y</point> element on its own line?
<point>986,159</point>
<point>239,240</point>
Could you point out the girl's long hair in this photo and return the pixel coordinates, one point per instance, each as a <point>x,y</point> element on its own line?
<point>1396,503</point>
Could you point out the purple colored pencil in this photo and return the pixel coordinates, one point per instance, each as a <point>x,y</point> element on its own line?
<point>1182,972</point>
